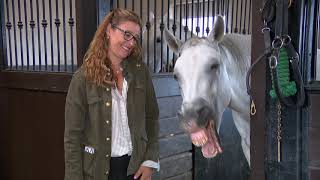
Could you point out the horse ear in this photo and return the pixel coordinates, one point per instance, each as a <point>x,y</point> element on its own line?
<point>217,33</point>
<point>150,20</point>
<point>173,43</point>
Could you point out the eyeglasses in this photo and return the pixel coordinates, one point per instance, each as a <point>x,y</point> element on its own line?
<point>126,34</point>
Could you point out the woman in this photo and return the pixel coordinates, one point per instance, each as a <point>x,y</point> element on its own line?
<point>111,113</point>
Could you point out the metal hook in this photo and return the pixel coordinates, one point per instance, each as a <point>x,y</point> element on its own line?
<point>273,62</point>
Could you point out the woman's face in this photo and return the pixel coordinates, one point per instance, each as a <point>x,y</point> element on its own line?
<point>122,39</point>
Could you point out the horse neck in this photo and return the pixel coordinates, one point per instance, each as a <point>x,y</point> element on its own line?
<point>237,61</point>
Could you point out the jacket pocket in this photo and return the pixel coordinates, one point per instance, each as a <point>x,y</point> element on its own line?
<point>89,162</point>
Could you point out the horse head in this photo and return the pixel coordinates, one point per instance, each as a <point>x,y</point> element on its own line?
<point>204,84</point>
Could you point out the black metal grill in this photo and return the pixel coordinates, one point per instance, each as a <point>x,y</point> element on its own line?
<point>38,34</point>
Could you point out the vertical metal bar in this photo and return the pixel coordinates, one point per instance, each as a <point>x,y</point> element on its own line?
<point>39,35</point>
<point>57,22</point>
<point>192,5</point>
<point>168,27</point>
<point>223,8</point>
<point>218,7</point>
<point>64,34</point>
<point>198,14</point>
<point>245,17</point>
<point>32,25</point>
<point>187,16</point>
<point>208,19</point>
<point>155,37</point>
<point>15,35</point>
<point>27,36</point>
<point>141,17</point>
<point>174,26</point>
<point>161,30</point>
<point>71,24</point>
<point>227,17</point>
<point>51,35</point>
<point>203,15</point>
<point>117,3</point>
<point>241,17</point>
<point>148,32</point>
<point>236,28</point>
<point>249,19</point>
<point>20,26</point>
<point>3,46</point>
<point>111,4</point>
<point>180,20</point>
<point>9,26</point>
<point>213,12</point>
<point>232,12</point>
<point>133,5</point>
<point>125,4</point>
<point>44,24</point>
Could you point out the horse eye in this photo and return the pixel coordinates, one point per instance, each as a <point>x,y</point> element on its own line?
<point>214,66</point>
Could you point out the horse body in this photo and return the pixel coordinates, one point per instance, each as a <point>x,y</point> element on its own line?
<point>211,74</point>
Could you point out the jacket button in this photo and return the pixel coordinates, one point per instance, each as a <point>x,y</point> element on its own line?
<point>107,122</point>
<point>108,104</point>
<point>108,139</point>
<point>108,89</point>
<point>107,155</point>
<point>107,172</point>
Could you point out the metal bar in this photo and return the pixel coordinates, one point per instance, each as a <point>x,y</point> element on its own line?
<point>232,10</point>
<point>168,27</point>
<point>125,4</point>
<point>32,25</point>
<point>57,23</point>
<point>44,24</point>
<point>148,32</point>
<point>51,35</point>
<point>241,17</point>
<point>213,12</point>
<point>218,7</point>
<point>198,14</point>
<point>180,20</point>
<point>15,35</point>
<point>39,35</point>
<point>203,15</point>
<point>154,38</point>
<point>27,36</point>
<point>227,17</point>
<point>187,16</point>
<point>161,30</point>
<point>111,4</point>
<point>141,17</point>
<point>118,4</point>
<point>71,24</point>
<point>133,5</point>
<point>208,19</point>
<point>236,27</point>
<point>64,34</point>
<point>192,5</point>
<point>250,13</point>
<point>174,26</point>
<point>9,26</point>
<point>20,26</point>
<point>3,45</point>
<point>245,17</point>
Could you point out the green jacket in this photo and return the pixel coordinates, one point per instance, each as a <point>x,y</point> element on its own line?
<point>88,123</point>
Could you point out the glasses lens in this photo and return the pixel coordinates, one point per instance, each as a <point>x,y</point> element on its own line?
<point>128,36</point>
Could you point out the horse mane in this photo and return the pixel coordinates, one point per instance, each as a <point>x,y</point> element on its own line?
<point>240,49</point>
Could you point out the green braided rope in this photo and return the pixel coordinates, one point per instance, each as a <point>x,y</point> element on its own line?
<point>287,88</point>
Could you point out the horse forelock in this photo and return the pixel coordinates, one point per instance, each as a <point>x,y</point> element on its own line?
<point>195,41</point>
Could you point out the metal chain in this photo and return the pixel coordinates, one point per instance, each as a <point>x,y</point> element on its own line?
<point>279,130</point>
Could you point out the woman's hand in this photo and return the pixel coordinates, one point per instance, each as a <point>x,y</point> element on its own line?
<point>144,173</point>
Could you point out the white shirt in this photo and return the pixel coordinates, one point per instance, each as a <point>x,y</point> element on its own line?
<point>121,143</point>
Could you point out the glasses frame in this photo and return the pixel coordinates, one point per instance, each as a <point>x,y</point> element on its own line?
<point>126,33</point>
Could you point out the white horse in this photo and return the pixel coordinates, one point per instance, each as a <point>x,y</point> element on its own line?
<point>211,74</point>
